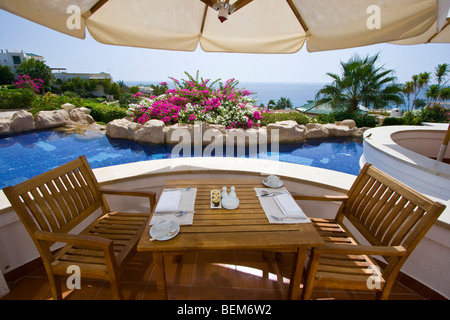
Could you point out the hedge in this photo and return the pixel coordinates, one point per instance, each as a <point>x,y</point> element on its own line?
<point>393,121</point>
<point>282,116</point>
<point>54,102</point>
<point>16,98</point>
<point>361,120</point>
<point>105,113</point>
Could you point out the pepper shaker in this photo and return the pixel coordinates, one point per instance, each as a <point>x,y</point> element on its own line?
<point>224,193</point>
<point>233,193</point>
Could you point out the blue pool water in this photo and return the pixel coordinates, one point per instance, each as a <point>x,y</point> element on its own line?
<point>27,155</point>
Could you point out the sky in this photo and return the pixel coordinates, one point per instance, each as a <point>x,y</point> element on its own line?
<point>136,64</point>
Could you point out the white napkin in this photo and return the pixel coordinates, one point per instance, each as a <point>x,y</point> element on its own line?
<point>169,201</point>
<point>272,208</point>
<point>288,206</point>
<point>166,209</point>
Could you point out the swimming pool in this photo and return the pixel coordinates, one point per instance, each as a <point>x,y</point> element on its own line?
<point>24,156</point>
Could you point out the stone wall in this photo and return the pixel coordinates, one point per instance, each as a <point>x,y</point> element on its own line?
<point>23,121</point>
<point>155,131</point>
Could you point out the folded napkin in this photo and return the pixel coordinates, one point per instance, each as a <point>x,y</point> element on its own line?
<point>288,206</point>
<point>281,206</point>
<point>169,201</point>
<point>173,201</point>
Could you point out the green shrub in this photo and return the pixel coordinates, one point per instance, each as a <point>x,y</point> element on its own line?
<point>393,121</point>
<point>435,113</point>
<point>127,99</point>
<point>412,118</point>
<point>282,116</point>
<point>16,98</point>
<point>105,113</point>
<point>361,120</point>
<point>54,102</point>
<point>71,94</point>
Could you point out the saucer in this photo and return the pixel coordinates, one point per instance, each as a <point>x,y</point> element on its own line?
<point>173,225</point>
<point>277,185</point>
<point>231,204</point>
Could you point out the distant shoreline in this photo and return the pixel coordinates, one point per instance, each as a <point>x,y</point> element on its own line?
<point>299,93</point>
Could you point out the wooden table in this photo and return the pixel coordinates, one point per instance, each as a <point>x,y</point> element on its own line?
<point>244,228</point>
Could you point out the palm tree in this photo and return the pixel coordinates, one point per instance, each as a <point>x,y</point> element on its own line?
<point>361,82</point>
<point>271,104</point>
<point>441,72</point>
<point>433,93</point>
<point>123,87</point>
<point>420,82</point>
<point>408,89</point>
<point>444,94</point>
<point>283,103</point>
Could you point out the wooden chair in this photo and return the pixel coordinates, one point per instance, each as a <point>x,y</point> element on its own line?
<point>53,203</point>
<point>392,217</point>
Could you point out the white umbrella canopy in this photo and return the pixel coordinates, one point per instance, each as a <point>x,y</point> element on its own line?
<point>258,26</point>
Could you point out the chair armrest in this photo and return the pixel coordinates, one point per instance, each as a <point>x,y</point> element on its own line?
<point>128,192</point>
<point>361,249</point>
<point>75,239</point>
<point>324,198</point>
<point>133,193</point>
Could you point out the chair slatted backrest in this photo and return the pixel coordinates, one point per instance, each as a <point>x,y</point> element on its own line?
<point>387,212</point>
<point>57,200</point>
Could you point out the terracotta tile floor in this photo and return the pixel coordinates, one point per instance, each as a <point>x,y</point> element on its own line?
<point>207,275</point>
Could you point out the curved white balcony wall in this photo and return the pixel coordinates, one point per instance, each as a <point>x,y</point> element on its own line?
<point>424,142</point>
<point>405,153</point>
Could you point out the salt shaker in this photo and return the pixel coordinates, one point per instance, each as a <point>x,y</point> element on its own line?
<point>233,193</point>
<point>224,193</point>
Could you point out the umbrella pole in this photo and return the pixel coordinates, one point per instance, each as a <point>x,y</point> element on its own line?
<point>444,145</point>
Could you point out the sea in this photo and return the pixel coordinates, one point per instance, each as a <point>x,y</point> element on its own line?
<point>298,93</point>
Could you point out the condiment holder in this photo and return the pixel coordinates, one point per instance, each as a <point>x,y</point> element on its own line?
<point>229,201</point>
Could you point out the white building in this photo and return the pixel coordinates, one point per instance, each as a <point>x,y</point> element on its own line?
<point>13,58</point>
<point>64,76</point>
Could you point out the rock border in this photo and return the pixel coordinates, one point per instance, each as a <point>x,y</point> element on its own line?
<point>289,131</point>
<point>23,121</point>
<point>156,132</point>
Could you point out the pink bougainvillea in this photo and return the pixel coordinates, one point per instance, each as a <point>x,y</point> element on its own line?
<point>26,82</point>
<point>195,100</point>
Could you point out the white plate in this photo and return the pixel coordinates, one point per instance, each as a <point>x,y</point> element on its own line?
<point>231,205</point>
<point>220,203</point>
<point>173,225</point>
<point>279,184</point>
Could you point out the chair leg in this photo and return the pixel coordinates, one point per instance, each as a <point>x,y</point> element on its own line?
<point>308,287</point>
<point>384,295</point>
<point>55,285</point>
<point>116,290</point>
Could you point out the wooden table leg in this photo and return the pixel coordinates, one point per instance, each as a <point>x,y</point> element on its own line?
<point>297,273</point>
<point>160,274</point>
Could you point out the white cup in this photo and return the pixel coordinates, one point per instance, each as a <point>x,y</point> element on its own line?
<point>162,226</point>
<point>272,180</point>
